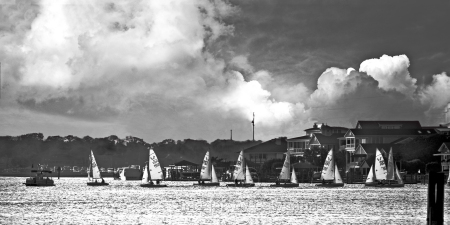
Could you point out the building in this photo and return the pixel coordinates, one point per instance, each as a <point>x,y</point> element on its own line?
<point>298,145</point>
<point>444,153</point>
<point>326,141</point>
<point>272,149</point>
<point>380,132</point>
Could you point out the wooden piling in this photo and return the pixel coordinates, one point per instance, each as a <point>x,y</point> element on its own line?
<point>435,205</point>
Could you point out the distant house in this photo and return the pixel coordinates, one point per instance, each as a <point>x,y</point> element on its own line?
<point>326,141</point>
<point>297,145</point>
<point>272,149</point>
<point>381,132</point>
<point>444,153</point>
<point>364,152</point>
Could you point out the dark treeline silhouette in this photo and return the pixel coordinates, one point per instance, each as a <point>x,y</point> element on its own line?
<point>28,149</point>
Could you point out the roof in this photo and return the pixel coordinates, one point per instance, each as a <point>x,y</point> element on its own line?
<point>186,163</point>
<point>274,145</point>
<point>320,139</point>
<point>305,137</point>
<point>377,124</point>
<point>445,148</point>
<point>303,165</point>
<point>387,132</point>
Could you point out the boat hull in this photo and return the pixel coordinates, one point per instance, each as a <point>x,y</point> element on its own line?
<point>38,185</point>
<point>97,184</point>
<point>153,185</point>
<point>240,185</point>
<point>330,185</point>
<point>390,185</point>
<point>370,184</point>
<point>207,184</point>
<point>284,185</point>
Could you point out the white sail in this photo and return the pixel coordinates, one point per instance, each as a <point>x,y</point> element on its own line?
<point>294,177</point>
<point>145,177</point>
<point>328,167</point>
<point>154,167</point>
<point>248,176</point>
<point>337,175</point>
<point>239,167</point>
<point>380,166</point>
<point>205,173</point>
<point>284,175</point>
<point>214,176</point>
<point>398,176</point>
<point>390,167</point>
<point>94,171</point>
<point>370,178</point>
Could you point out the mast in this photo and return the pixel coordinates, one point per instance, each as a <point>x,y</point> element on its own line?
<point>253,123</point>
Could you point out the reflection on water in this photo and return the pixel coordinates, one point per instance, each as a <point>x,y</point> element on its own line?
<point>71,201</point>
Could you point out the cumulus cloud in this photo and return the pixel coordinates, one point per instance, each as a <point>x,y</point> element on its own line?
<point>391,72</point>
<point>148,69</point>
<point>437,94</point>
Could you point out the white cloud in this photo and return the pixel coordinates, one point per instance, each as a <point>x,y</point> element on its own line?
<point>391,72</point>
<point>437,94</point>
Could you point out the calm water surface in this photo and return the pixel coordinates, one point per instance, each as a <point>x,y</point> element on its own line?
<point>71,201</point>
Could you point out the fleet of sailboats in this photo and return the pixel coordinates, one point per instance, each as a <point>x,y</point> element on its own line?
<point>290,180</point>
<point>208,173</point>
<point>152,172</point>
<point>330,174</point>
<point>242,177</point>
<point>393,177</point>
<point>94,175</point>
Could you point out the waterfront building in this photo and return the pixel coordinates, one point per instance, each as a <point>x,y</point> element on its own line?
<point>380,132</point>
<point>326,135</point>
<point>444,153</point>
<point>261,153</point>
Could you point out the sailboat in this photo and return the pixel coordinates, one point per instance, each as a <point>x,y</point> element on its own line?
<point>380,171</point>
<point>284,174</point>
<point>94,175</point>
<point>330,174</point>
<point>242,178</point>
<point>208,173</point>
<point>393,175</point>
<point>152,172</point>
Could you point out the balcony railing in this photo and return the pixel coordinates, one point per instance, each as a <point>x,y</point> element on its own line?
<point>296,151</point>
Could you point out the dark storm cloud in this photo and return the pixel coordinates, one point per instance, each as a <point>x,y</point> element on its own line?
<point>281,35</point>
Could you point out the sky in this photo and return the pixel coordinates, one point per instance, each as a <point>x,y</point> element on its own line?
<point>200,68</point>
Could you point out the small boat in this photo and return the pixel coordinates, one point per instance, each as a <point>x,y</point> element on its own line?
<point>39,179</point>
<point>242,178</point>
<point>208,173</point>
<point>284,175</point>
<point>152,172</point>
<point>330,174</point>
<point>94,175</point>
<point>376,176</point>
<point>393,175</point>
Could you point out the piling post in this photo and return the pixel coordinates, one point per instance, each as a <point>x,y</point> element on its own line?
<point>435,205</point>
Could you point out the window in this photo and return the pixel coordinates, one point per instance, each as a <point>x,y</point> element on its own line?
<point>363,141</point>
<point>350,142</point>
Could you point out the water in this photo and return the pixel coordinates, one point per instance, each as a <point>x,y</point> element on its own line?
<point>71,201</point>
